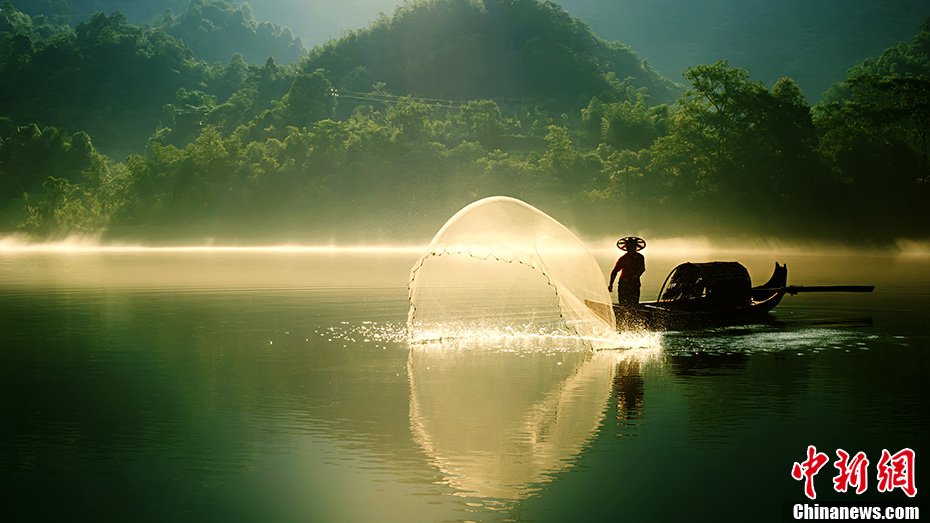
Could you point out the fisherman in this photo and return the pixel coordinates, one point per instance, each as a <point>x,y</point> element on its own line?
<point>630,267</point>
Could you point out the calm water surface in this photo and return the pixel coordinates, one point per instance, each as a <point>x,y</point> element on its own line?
<point>280,387</point>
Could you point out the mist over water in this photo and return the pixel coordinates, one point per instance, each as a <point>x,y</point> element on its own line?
<point>683,247</point>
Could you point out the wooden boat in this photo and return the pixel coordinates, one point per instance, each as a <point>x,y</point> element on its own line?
<point>714,293</point>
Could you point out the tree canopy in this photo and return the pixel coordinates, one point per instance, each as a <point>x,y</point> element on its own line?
<point>215,30</point>
<point>381,134</point>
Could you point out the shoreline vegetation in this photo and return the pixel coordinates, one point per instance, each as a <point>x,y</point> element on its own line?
<point>149,134</point>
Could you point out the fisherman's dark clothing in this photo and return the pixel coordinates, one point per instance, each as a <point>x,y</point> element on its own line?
<point>630,266</point>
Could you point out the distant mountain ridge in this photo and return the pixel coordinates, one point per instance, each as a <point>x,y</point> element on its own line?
<point>813,42</point>
<point>76,11</point>
<point>215,30</point>
<point>493,49</point>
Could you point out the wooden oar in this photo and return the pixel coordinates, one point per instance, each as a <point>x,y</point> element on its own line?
<point>795,289</point>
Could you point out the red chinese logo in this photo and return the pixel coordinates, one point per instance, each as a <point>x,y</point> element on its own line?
<point>852,473</point>
<point>894,471</point>
<point>897,471</point>
<point>809,468</point>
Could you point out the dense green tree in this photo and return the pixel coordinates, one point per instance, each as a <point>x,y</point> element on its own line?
<point>106,77</point>
<point>482,121</point>
<point>54,183</point>
<point>734,145</point>
<point>76,11</point>
<point>310,99</point>
<point>31,154</point>
<point>217,29</point>
<point>64,209</point>
<point>875,127</point>
<point>877,144</point>
<point>626,124</point>
<point>410,118</point>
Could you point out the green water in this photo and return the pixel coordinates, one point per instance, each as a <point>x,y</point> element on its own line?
<point>279,387</point>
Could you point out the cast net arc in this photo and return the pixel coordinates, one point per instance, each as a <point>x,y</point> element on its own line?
<point>502,268</point>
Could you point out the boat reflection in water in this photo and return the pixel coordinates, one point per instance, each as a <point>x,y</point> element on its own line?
<point>500,422</point>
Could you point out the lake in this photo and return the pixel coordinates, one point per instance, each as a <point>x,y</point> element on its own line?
<point>279,386</point>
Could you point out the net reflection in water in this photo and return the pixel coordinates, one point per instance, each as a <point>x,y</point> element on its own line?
<point>500,424</point>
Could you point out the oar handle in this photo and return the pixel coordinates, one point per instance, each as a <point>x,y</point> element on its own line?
<point>794,289</point>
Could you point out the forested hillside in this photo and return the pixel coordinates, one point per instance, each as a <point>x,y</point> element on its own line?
<point>315,21</point>
<point>76,11</point>
<point>105,76</point>
<point>813,42</point>
<point>214,29</point>
<point>382,134</point>
<point>521,51</point>
<point>112,78</point>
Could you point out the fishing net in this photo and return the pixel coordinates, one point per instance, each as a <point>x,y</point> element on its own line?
<point>500,267</point>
